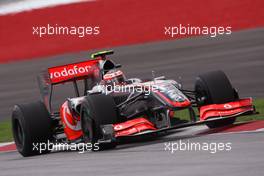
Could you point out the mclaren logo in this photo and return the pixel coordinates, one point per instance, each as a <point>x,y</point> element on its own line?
<point>227,106</point>
<point>118,127</point>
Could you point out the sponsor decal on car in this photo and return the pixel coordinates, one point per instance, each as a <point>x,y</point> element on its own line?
<point>228,106</point>
<point>68,72</point>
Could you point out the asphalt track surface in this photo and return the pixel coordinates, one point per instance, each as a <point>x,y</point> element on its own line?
<point>240,55</point>
<point>150,158</point>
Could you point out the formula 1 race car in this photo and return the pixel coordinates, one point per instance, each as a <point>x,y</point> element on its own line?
<point>113,107</point>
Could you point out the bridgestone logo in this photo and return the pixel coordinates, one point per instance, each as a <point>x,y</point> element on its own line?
<point>70,72</point>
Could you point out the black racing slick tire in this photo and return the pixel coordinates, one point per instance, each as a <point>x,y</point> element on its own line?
<point>215,88</point>
<point>221,122</point>
<point>97,110</point>
<point>31,126</point>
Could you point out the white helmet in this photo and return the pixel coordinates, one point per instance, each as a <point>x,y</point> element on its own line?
<point>114,77</point>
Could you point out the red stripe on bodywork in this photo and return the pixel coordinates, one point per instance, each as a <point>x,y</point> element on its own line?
<point>70,123</point>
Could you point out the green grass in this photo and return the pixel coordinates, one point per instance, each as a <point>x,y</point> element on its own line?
<point>259,104</point>
<point>6,132</point>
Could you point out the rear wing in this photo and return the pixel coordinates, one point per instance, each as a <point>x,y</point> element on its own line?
<point>82,70</point>
<point>90,71</point>
<point>75,71</point>
<point>87,70</point>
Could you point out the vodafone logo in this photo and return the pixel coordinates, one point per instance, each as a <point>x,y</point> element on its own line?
<point>70,72</point>
<point>227,106</point>
<point>66,72</point>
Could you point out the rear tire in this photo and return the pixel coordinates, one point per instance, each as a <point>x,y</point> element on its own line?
<point>31,124</point>
<point>215,88</point>
<point>97,110</point>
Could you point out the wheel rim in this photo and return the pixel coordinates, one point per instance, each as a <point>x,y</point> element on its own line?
<point>19,135</point>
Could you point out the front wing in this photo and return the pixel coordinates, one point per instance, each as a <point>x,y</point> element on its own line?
<point>208,113</point>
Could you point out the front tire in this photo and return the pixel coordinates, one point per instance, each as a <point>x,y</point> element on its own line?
<point>221,122</point>
<point>215,88</point>
<point>31,126</point>
<point>97,110</point>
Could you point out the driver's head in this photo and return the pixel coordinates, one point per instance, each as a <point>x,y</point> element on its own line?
<point>114,77</point>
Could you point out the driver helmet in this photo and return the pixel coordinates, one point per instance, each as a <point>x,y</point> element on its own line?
<point>114,77</point>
